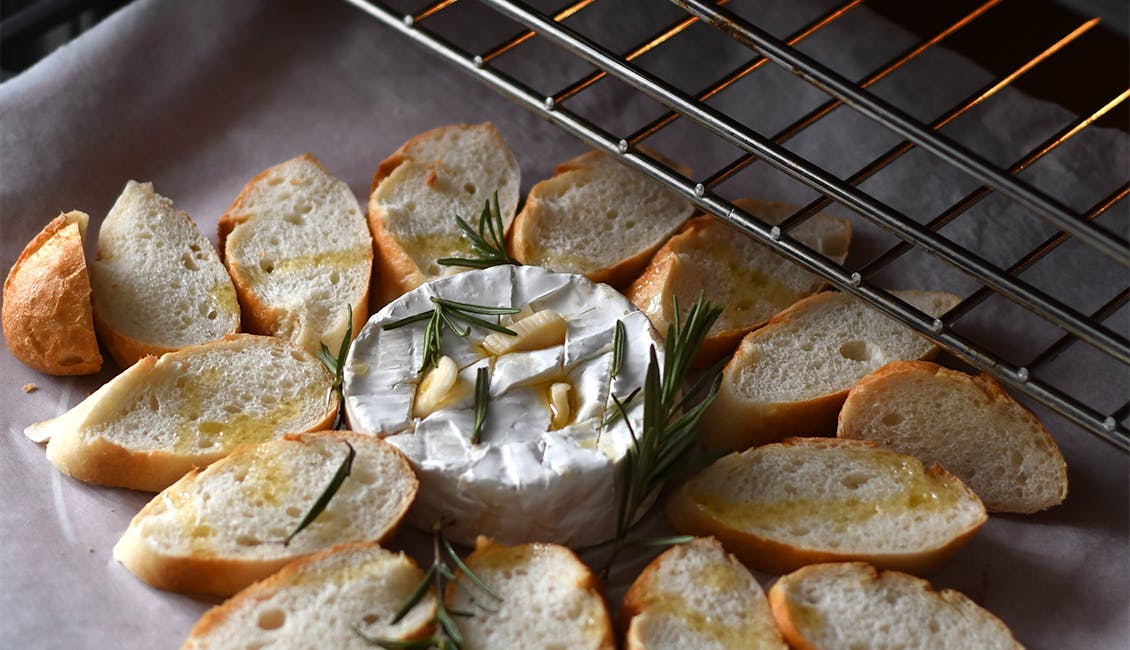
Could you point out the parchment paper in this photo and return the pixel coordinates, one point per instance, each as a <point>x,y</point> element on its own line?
<point>200,96</point>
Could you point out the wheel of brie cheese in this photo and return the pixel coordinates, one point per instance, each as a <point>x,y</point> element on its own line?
<point>550,451</point>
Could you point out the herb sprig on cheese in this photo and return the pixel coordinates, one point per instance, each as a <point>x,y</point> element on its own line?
<point>445,314</point>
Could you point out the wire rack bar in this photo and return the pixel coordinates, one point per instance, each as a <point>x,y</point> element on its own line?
<point>1105,427</point>
<point>815,115</point>
<point>815,176</point>
<point>906,126</point>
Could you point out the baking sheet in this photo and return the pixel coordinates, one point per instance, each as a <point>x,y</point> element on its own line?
<point>199,97</point>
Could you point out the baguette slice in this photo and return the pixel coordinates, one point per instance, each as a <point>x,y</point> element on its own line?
<point>968,425</point>
<point>158,283</point>
<point>417,193</point>
<point>220,529</point>
<point>596,217</point>
<point>317,603</point>
<point>550,600</point>
<point>296,245</point>
<point>696,595</point>
<point>791,377</point>
<point>46,313</point>
<point>164,416</point>
<point>809,500</point>
<point>747,279</point>
<point>851,605</point>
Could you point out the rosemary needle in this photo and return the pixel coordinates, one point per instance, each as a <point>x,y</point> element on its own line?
<point>336,366</point>
<point>487,243</point>
<point>482,398</point>
<point>328,494</point>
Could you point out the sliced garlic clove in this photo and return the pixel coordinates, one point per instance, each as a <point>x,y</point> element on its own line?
<point>560,410</point>
<point>435,387</point>
<point>534,332</point>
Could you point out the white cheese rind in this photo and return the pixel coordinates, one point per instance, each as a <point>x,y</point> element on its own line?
<point>523,482</point>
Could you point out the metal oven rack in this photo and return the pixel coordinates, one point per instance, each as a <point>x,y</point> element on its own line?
<point>1092,334</point>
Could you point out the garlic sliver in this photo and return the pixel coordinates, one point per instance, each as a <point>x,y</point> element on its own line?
<point>540,329</point>
<point>435,387</point>
<point>560,411</point>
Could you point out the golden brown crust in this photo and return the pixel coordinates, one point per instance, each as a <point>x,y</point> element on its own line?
<point>47,315</point>
<point>735,423</point>
<point>224,576</point>
<point>93,459</point>
<point>771,556</point>
<point>524,241</point>
<point>990,387</point>
<point>394,270</point>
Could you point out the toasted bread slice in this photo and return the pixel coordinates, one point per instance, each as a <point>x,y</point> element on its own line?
<point>809,500</point>
<point>322,601</point>
<point>696,595</point>
<point>297,247</point>
<point>968,425</point>
<point>420,189</point>
<point>597,217</point>
<point>164,416</point>
<point>219,529</point>
<point>748,280</point>
<point>158,283</point>
<point>47,314</point>
<point>791,377</point>
<point>851,605</point>
<point>550,600</point>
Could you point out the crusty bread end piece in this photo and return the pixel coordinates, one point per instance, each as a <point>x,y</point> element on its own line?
<point>749,281</point>
<point>851,605</point>
<point>158,283</point>
<point>219,529</point>
<point>597,217</point>
<point>808,500</point>
<point>550,600</point>
<point>47,311</point>
<point>791,377</point>
<point>417,193</point>
<point>966,424</point>
<point>319,602</point>
<point>162,417</point>
<point>299,252</point>
<point>696,595</point>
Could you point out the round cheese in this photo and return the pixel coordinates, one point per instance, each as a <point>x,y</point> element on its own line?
<point>537,473</point>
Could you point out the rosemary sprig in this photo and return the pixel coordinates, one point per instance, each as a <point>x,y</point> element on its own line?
<point>336,367</point>
<point>668,429</point>
<point>447,635</point>
<point>619,344</point>
<point>482,399</point>
<point>446,314</point>
<point>324,500</point>
<point>487,243</point>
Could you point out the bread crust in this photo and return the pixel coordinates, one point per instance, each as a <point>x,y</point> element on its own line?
<point>772,556</point>
<point>735,423</point>
<point>94,459</point>
<point>861,395</point>
<point>47,314</point>
<point>524,242</point>
<point>792,626</point>
<point>638,599</point>
<point>653,288</point>
<point>395,272</point>
<point>271,585</point>
<point>126,350</point>
<point>258,316</point>
<point>587,582</point>
<point>223,576</point>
